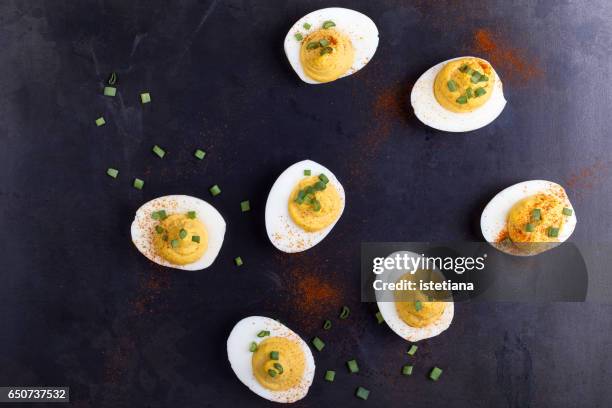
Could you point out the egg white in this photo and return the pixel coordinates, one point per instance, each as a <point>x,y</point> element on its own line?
<point>240,357</point>
<point>430,112</point>
<point>283,232</point>
<point>357,26</point>
<point>495,215</point>
<point>143,228</point>
<point>386,306</point>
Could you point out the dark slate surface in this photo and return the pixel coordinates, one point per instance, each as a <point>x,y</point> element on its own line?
<point>80,307</point>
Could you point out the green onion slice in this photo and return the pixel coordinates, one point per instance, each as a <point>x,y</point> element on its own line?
<point>324,42</point>
<point>379,317</point>
<point>462,100</point>
<point>238,261</point>
<point>263,333</point>
<point>312,45</point>
<point>412,350</point>
<point>191,215</point>
<point>110,91</point>
<point>138,183</point>
<point>327,325</point>
<point>299,36</point>
<point>215,190</point>
<point>195,238</point>
<point>407,369</point>
<point>307,172</point>
<point>274,355</point>
<point>174,243</point>
<point>418,305</point>
<point>159,229</point>
<point>529,227</point>
<point>306,26</point>
<point>475,77</point>
<point>159,215</point>
<point>318,343</point>
<point>272,373</point>
<point>112,172</point>
<point>567,211</point>
<point>145,97</point>
<point>100,121</point>
<point>362,393</point>
<point>435,373</point>
<point>353,366</point>
<point>279,368</point>
<point>330,375</point>
<point>245,206</point>
<point>480,91</point>
<point>553,232</point>
<point>329,24</point>
<point>182,234</point>
<point>452,85</point>
<point>253,347</point>
<point>326,50</point>
<point>112,79</point>
<point>345,312</point>
<point>323,178</point>
<point>536,214</point>
<point>199,154</point>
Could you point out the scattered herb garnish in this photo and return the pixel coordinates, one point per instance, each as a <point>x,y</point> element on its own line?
<point>279,368</point>
<point>536,214</point>
<point>352,366</point>
<point>326,50</point>
<point>330,375</point>
<point>567,211</point>
<point>407,369</point>
<point>272,373</point>
<point>475,77</point>
<point>159,151</point>
<point>100,121</point>
<point>263,333</point>
<point>318,343</point>
<point>199,154</point>
<point>215,190</point>
<point>312,45</point>
<point>174,243</point>
<point>379,317</point>
<point>195,238</point>
<point>412,350</point>
<point>529,227</point>
<point>112,79</point>
<point>480,91</point>
<point>253,347</point>
<point>553,232</point>
<point>182,234</point>
<point>138,183</point>
<point>469,93</point>
<point>159,215</point>
<point>274,355</point>
<point>327,325</point>
<point>145,97</point>
<point>362,393</point>
<point>345,312</point>
<point>110,91</point>
<point>112,172</point>
<point>191,215</point>
<point>299,36</point>
<point>306,26</point>
<point>418,305</point>
<point>159,229</point>
<point>238,261</point>
<point>462,100</point>
<point>324,42</point>
<point>435,373</point>
<point>245,205</point>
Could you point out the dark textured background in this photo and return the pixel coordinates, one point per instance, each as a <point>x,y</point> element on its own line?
<point>79,306</point>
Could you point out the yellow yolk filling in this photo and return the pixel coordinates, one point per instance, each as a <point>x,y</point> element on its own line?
<point>332,57</point>
<point>419,312</point>
<point>180,251</point>
<point>453,81</point>
<point>521,214</point>
<point>288,369</point>
<point>305,216</point>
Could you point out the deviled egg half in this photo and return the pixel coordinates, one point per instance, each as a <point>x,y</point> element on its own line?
<point>528,218</point>
<point>458,95</point>
<point>413,314</point>
<point>330,43</point>
<point>178,231</point>
<point>304,204</point>
<point>271,359</point>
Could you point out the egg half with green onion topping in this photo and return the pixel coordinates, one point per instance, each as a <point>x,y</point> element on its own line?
<point>330,43</point>
<point>528,218</point>
<point>270,359</point>
<point>458,95</point>
<point>178,231</point>
<point>303,206</point>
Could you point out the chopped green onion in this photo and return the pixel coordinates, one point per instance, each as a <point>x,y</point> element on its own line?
<point>469,93</point>
<point>475,77</point>
<point>536,214</point>
<point>174,243</point>
<point>352,366</point>
<point>279,368</point>
<point>112,79</point>
<point>100,121</point>
<point>138,183</point>
<point>330,375</point>
<point>159,229</point>
<point>112,172</point>
<point>553,232</point>
<point>435,373</point>
<point>263,333</point>
<point>159,215</point>
<point>319,186</point>
<point>480,92</point>
<point>312,45</point>
<point>484,78</point>
<point>463,68</point>
<point>324,42</point>
<point>316,205</point>
<point>327,325</point>
<point>345,312</point>
<point>318,343</point>
<point>379,317</point>
<point>215,190</point>
<point>191,215</point>
<point>245,206</point>
<point>306,26</point>
<point>407,369</point>
<point>238,261</point>
<point>452,85</point>
<point>299,36</point>
<point>329,24</point>
<point>195,238</point>
<point>145,97</point>
<point>529,227</point>
<point>307,172</point>
<point>159,151</point>
<point>326,50</point>
<point>272,373</point>
<point>362,393</point>
<point>462,100</point>
<point>274,355</point>
<point>418,305</point>
<point>199,154</point>
<point>110,91</point>
<point>469,71</point>
<point>182,234</point>
<point>412,350</point>
<point>567,211</point>
<point>323,178</point>
<point>253,347</point>
<point>165,237</point>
